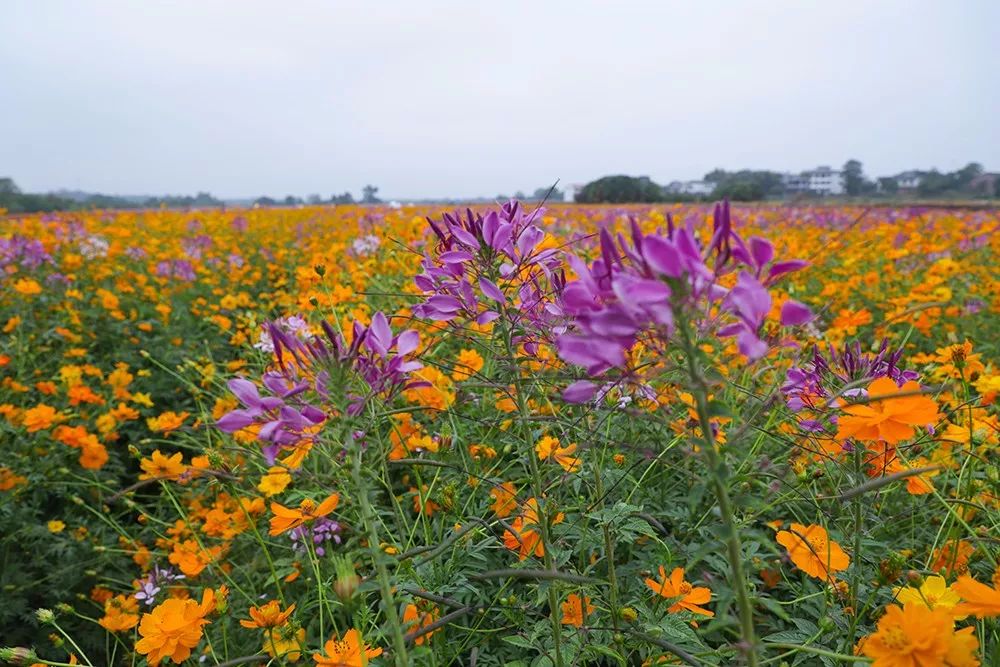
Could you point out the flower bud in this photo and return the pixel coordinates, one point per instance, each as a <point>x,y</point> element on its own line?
<point>17,655</point>
<point>45,615</point>
<point>347,581</point>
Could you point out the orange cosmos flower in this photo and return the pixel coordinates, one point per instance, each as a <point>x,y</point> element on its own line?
<point>93,456</point>
<point>173,628</point>
<point>886,418</point>
<point>286,518</point>
<point>849,321</point>
<point>351,651</point>
<point>9,479</point>
<point>267,616</point>
<point>812,551</point>
<point>41,417</point>
<point>684,595</point>
<point>159,466</point>
<point>952,558</point>
<point>978,598</point>
<point>525,539</point>
<point>27,287</point>
<point>120,613</point>
<point>504,499</point>
<point>469,363</point>
<point>573,610</point>
<point>167,422</point>
<point>915,635</point>
<point>548,448</point>
<point>417,619</point>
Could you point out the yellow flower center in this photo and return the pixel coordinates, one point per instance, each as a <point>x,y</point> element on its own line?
<point>341,647</point>
<point>896,639</point>
<point>818,544</point>
<point>685,588</point>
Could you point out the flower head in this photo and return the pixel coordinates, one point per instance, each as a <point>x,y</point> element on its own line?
<point>575,609</point>
<point>174,628</point>
<point>914,635</point>
<point>887,416</point>
<point>683,595</point>
<point>120,613</point>
<point>268,615</point>
<point>933,592</point>
<point>977,598</point>
<point>286,518</point>
<point>349,651</point>
<point>812,551</point>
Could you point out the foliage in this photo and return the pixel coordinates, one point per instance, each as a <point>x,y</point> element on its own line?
<point>620,189</point>
<point>576,434</point>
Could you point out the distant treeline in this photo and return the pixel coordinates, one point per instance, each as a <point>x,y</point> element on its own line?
<point>968,182</point>
<point>16,201</point>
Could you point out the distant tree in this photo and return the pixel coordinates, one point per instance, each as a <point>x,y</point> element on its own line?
<point>888,185</point>
<point>314,200</point>
<point>746,184</point>
<point>264,201</point>
<point>620,189</point>
<point>368,195</point>
<point>739,190</point>
<point>854,177</point>
<point>9,187</point>
<point>520,196</point>
<point>291,201</point>
<point>968,173</point>
<point>543,193</point>
<point>346,198</point>
<point>935,183</point>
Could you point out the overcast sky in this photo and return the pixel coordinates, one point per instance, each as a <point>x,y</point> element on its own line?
<point>473,98</point>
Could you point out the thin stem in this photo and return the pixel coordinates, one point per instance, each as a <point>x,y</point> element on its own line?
<point>368,519</point>
<point>716,469</point>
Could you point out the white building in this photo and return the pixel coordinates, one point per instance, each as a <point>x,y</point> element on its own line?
<point>820,181</point>
<point>696,188</point>
<point>908,180</point>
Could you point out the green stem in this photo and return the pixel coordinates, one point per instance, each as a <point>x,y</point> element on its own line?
<point>859,453</point>
<point>368,519</point>
<point>717,473</point>
<point>536,484</point>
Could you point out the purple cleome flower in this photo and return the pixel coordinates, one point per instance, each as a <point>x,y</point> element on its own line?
<point>375,364</point>
<point>638,285</point>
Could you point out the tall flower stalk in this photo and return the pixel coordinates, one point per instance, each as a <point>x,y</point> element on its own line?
<point>655,288</point>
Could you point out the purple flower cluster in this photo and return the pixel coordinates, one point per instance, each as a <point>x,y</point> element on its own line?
<point>811,385</point>
<point>376,363</point>
<point>639,285</point>
<point>195,246</point>
<point>283,417</point>
<point>180,269</point>
<point>29,253</point>
<point>476,251</point>
<point>150,587</point>
<point>322,530</point>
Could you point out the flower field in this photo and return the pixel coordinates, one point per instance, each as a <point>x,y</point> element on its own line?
<point>521,436</point>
